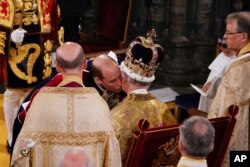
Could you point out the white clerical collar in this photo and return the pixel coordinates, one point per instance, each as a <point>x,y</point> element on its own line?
<point>139,91</point>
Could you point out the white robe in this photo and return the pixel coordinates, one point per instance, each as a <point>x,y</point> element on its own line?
<point>218,68</point>
<point>60,119</point>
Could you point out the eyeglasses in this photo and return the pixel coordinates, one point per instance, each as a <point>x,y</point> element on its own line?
<point>231,33</point>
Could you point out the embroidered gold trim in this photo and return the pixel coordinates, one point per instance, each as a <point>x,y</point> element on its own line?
<point>29,11</point>
<point>244,50</point>
<point>68,90</point>
<point>47,59</point>
<point>45,18</point>
<point>67,138</point>
<point>244,102</point>
<point>6,18</point>
<point>61,35</point>
<point>168,153</point>
<point>239,62</point>
<point>17,56</point>
<point>25,12</point>
<point>70,113</point>
<point>2,42</point>
<point>141,97</point>
<point>24,153</point>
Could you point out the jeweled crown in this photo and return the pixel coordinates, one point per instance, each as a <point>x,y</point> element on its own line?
<point>142,58</point>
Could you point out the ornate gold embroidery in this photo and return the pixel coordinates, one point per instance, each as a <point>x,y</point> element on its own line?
<point>61,36</point>
<point>30,18</point>
<point>45,19</point>
<point>239,62</point>
<point>2,41</point>
<point>27,6</point>
<point>25,152</point>
<point>26,12</point>
<point>6,13</point>
<point>111,98</point>
<point>18,5</point>
<point>17,56</point>
<point>18,12</point>
<point>70,106</point>
<point>46,139</point>
<point>47,59</point>
<point>168,154</point>
<point>243,102</point>
<point>67,138</point>
<point>68,90</point>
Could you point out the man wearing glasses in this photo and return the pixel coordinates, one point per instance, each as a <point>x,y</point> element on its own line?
<point>234,87</point>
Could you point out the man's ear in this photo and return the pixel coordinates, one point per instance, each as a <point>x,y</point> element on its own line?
<point>244,35</point>
<point>84,64</point>
<point>98,80</point>
<point>180,146</point>
<point>211,147</point>
<point>58,69</point>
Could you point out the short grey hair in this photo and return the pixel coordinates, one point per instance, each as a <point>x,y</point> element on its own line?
<point>242,20</point>
<point>197,136</point>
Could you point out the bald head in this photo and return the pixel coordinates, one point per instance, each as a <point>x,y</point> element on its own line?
<point>75,158</point>
<point>70,55</point>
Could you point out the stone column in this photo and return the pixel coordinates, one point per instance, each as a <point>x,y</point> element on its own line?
<point>177,67</point>
<point>158,13</point>
<point>204,18</point>
<point>204,41</point>
<point>178,21</point>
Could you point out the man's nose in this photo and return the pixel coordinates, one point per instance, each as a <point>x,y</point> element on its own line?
<point>224,36</point>
<point>119,81</point>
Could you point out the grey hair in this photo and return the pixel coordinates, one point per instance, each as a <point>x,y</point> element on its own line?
<point>197,136</point>
<point>242,21</point>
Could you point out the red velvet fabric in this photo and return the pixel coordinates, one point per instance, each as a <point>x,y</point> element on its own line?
<point>112,18</point>
<point>146,142</point>
<point>2,69</point>
<point>110,26</point>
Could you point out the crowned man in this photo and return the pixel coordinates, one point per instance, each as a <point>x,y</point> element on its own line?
<point>138,68</point>
<point>27,37</point>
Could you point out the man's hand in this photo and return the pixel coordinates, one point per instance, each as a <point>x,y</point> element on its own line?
<point>206,86</point>
<point>17,35</point>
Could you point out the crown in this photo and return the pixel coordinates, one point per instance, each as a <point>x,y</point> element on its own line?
<point>142,58</point>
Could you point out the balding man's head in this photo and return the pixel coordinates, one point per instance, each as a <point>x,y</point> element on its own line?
<point>70,55</point>
<point>75,158</point>
<point>196,136</point>
<point>101,62</point>
<point>106,73</point>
